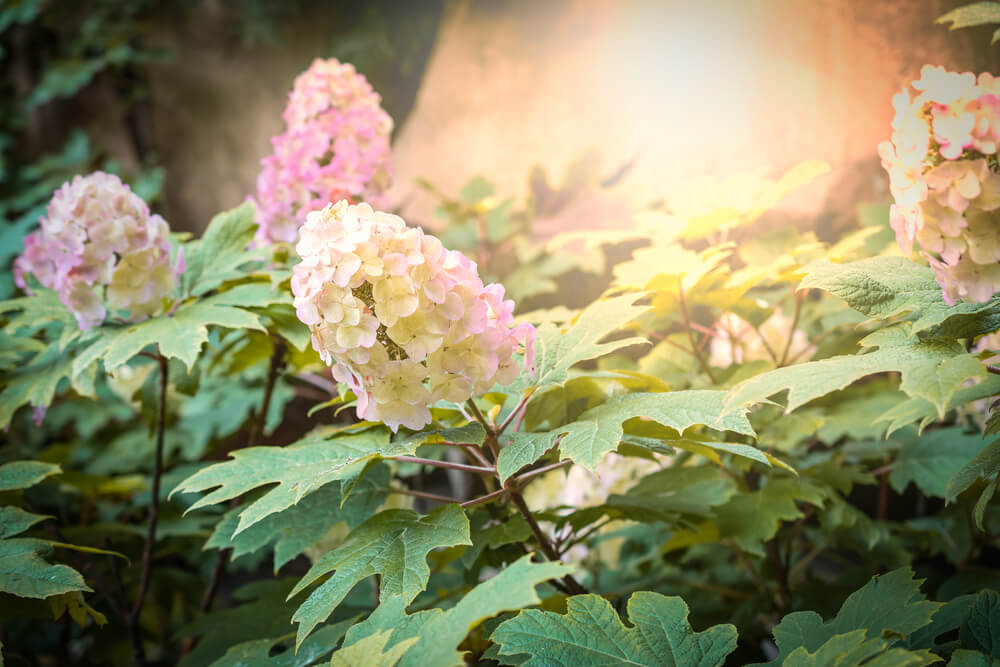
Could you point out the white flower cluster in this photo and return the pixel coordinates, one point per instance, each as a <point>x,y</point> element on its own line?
<point>403,321</point>
<point>98,236</point>
<point>942,164</point>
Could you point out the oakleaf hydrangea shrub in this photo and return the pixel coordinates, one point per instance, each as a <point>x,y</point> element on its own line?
<point>943,170</point>
<point>100,248</point>
<point>335,145</point>
<point>737,428</point>
<point>403,321</point>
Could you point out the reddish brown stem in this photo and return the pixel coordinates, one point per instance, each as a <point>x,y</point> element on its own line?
<point>444,464</point>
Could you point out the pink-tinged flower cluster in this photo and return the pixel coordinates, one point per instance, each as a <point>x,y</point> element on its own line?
<point>99,248</point>
<point>404,321</point>
<point>335,146</point>
<point>943,173</point>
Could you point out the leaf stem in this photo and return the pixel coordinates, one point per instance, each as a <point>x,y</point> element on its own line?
<point>426,495</point>
<point>444,464</point>
<point>541,471</point>
<point>800,297</point>
<point>698,354</point>
<point>513,413</point>
<point>154,514</point>
<point>544,544</point>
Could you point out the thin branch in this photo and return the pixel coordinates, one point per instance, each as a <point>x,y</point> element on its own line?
<point>473,449</point>
<point>698,354</point>
<point>513,413</point>
<point>541,471</point>
<point>477,413</point>
<point>800,297</point>
<point>138,653</point>
<point>484,499</point>
<point>425,495</point>
<point>572,585</point>
<point>445,464</point>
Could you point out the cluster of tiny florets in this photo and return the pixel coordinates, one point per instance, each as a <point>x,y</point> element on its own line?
<point>100,248</point>
<point>943,171</point>
<point>403,321</point>
<point>335,145</point>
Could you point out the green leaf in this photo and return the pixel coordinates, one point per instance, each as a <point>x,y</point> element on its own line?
<point>599,430</point>
<point>852,648</point>
<point>557,349</point>
<point>591,633</point>
<point>933,370</point>
<point>222,249</point>
<point>977,13</point>
<point>985,465</point>
<point>259,652</point>
<point>439,632</point>
<point>22,474</point>
<point>980,631</point>
<point>755,517</point>
<point>930,460</point>
<point>475,190</point>
<point>263,613</point>
<point>966,658</point>
<point>302,525</point>
<point>393,543</point>
<point>24,573</point>
<point>884,287</point>
<point>888,603</point>
<point>298,470</point>
<point>14,520</point>
<point>372,652</point>
<point>37,382</point>
<point>182,334</point>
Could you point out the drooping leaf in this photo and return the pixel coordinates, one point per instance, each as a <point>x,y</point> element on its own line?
<point>591,633</point>
<point>599,430</point>
<point>22,474</point>
<point>298,470</point>
<point>930,460</point>
<point>295,529</point>
<point>932,369</point>
<point>440,632</point>
<point>888,603</point>
<point>394,544</point>
<point>14,520</point>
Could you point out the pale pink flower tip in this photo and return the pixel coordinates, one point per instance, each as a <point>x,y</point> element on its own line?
<point>335,146</point>
<point>404,322</point>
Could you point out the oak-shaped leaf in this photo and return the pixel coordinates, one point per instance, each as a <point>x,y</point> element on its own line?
<point>438,633</point>
<point>933,369</point>
<point>298,470</point>
<point>394,544</point>
<point>890,605</point>
<point>591,633</point>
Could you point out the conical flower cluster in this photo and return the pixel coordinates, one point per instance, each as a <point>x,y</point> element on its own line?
<point>335,145</point>
<point>99,248</point>
<point>943,170</point>
<point>403,321</point>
